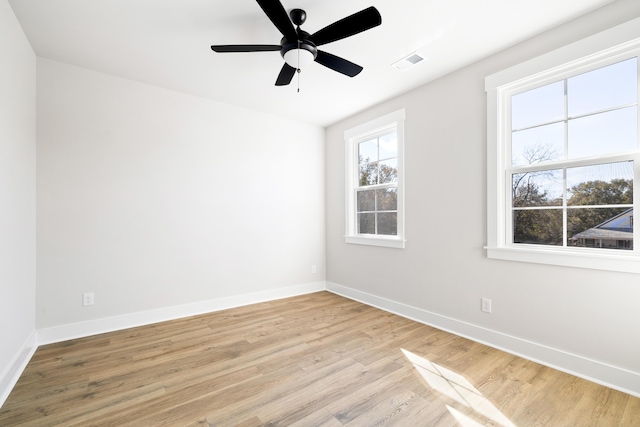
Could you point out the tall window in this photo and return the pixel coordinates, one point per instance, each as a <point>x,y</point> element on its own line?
<point>374,182</point>
<point>573,144</point>
<point>563,155</point>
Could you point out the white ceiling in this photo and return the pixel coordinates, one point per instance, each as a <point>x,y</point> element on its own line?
<point>167,43</point>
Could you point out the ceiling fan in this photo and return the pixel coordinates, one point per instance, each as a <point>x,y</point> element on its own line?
<point>299,48</point>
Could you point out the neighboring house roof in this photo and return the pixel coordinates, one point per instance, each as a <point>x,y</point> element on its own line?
<point>620,227</point>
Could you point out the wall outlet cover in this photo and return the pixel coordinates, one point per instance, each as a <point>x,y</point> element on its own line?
<point>486,305</point>
<point>87,298</point>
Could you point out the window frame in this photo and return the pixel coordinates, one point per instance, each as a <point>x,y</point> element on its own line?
<point>352,137</point>
<point>608,47</point>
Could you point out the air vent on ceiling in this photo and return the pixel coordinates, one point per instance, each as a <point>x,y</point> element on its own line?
<point>408,61</point>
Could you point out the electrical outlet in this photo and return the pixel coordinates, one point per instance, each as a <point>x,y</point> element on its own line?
<point>87,299</point>
<point>313,269</point>
<point>486,305</point>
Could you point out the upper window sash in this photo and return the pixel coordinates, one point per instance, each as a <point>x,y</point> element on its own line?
<point>608,47</point>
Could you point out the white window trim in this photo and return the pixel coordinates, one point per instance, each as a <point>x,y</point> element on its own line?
<point>396,119</point>
<point>589,53</point>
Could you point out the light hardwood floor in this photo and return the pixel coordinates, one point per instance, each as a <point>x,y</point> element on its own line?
<point>312,360</point>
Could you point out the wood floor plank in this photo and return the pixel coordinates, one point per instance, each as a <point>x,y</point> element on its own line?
<point>320,418</point>
<point>313,360</point>
<point>631,413</point>
<point>284,398</point>
<point>601,406</point>
<point>374,398</point>
<point>402,409</point>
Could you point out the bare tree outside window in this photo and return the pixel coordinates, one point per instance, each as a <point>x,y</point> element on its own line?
<point>537,189</point>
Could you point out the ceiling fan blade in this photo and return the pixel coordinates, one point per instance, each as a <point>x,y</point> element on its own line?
<point>286,75</point>
<point>276,13</point>
<point>223,48</point>
<point>353,24</point>
<point>338,64</point>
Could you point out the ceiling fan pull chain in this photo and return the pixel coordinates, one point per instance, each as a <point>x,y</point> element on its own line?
<point>298,70</point>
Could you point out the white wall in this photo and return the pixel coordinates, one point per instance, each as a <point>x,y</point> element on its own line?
<point>152,198</point>
<point>443,272</point>
<point>17,197</point>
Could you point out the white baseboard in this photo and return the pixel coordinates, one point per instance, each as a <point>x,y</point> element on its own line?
<point>592,370</point>
<point>11,376</point>
<point>99,326</point>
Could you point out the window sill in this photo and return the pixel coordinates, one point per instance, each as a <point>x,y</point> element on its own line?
<point>389,242</point>
<point>627,262</point>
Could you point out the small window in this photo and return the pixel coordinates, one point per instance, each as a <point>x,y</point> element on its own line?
<point>374,182</point>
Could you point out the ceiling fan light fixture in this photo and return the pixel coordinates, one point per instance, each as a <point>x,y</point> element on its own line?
<point>298,58</point>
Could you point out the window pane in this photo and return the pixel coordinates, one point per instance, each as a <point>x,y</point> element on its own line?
<point>366,223</point>
<point>537,145</point>
<point>605,133</point>
<point>387,199</point>
<point>537,106</point>
<point>540,227</point>
<point>368,174</point>
<point>543,188</point>
<point>610,228</point>
<point>368,151</point>
<point>608,184</point>
<point>366,201</point>
<point>606,87</point>
<point>388,223</point>
<point>388,171</point>
<point>388,145</point>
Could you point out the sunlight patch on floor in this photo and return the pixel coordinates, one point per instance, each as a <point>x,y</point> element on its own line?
<point>462,419</point>
<point>459,389</point>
